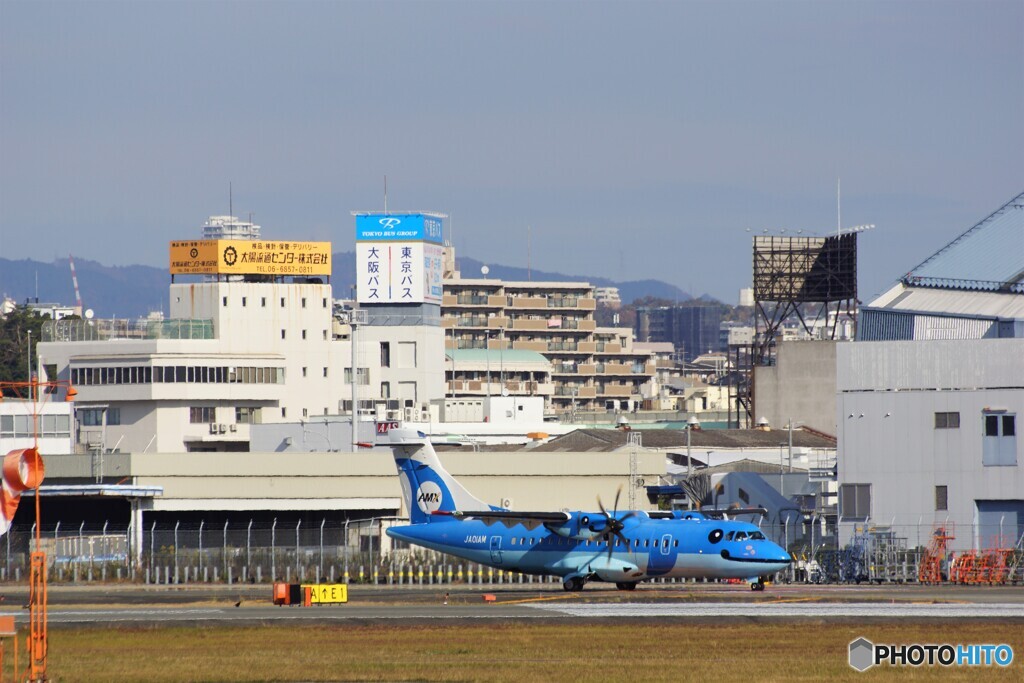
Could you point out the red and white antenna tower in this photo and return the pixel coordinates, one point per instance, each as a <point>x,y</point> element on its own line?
<point>74,281</point>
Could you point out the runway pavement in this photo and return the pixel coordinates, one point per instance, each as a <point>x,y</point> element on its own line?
<point>78,607</point>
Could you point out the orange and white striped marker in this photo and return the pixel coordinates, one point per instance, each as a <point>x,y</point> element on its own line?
<point>23,469</point>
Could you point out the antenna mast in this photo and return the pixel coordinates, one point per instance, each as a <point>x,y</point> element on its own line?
<point>839,208</point>
<point>529,273</point>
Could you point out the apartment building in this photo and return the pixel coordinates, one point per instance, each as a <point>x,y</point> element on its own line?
<point>592,368</point>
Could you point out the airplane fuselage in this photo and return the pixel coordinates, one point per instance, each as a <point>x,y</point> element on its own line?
<point>677,547</point>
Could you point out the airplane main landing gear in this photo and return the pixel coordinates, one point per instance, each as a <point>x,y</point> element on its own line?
<point>757,585</point>
<point>626,585</point>
<point>573,584</point>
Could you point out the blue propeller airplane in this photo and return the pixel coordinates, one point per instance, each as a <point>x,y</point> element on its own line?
<point>621,547</point>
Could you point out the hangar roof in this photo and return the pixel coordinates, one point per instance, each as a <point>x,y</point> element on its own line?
<point>988,256</point>
<point>596,440</point>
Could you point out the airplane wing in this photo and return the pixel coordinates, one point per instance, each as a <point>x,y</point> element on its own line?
<point>509,518</point>
<point>732,512</point>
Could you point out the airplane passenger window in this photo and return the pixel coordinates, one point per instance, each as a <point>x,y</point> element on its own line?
<point>715,536</point>
<point>675,544</point>
<point>513,542</point>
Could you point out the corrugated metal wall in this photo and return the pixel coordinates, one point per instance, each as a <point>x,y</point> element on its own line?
<point>876,325</point>
<point>888,325</point>
<point>938,364</point>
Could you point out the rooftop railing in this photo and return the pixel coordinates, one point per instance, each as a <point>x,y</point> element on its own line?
<point>75,330</point>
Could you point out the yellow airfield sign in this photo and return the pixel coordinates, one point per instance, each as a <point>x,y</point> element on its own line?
<point>250,257</point>
<point>326,593</point>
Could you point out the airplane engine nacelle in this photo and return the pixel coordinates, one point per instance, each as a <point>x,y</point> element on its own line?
<point>582,526</point>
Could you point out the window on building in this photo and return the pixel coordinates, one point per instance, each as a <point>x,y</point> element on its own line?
<point>999,443</point>
<point>49,426</point>
<point>362,376</point>
<point>282,302</point>
<point>385,354</point>
<point>303,302</point>
<point>247,415</point>
<point>941,493</point>
<point>325,335</point>
<point>947,420</point>
<point>385,389</point>
<point>305,412</point>
<point>284,412</point>
<point>263,302</point>
<point>243,301</point>
<point>855,501</point>
<point>325,372</point>
<point>283,334</point>
<point>304,371</point>
<point>325,302</point>
<point>303,334</point>
<point>200,414</point>
<point>224,301</point>
<point>744,496</point>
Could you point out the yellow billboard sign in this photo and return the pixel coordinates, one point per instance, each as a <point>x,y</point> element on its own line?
<point>326,593</point>
<point>250,257</point>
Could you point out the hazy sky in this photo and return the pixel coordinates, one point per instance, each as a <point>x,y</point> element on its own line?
<point>636,139</point>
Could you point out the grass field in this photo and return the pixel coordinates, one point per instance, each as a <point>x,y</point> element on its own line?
<point>634,652</point>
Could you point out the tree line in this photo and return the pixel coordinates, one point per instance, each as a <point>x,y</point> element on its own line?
<point>17,328</point>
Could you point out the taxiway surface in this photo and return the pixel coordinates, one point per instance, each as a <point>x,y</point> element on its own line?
<point>99,606</point>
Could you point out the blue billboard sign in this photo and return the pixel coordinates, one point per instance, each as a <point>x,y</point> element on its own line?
<point>391,227</point>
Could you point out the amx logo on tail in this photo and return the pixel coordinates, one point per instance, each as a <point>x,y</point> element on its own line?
<point>428,497</point>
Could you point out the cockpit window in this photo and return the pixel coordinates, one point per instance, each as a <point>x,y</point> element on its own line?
<point>741,535</point>
<point>715,536</point>
<point>729,535</point>
<point>756,536</point>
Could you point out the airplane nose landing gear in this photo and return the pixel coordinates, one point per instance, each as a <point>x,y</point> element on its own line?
<point>757,585</point>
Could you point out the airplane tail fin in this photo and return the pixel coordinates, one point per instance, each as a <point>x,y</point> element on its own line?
<point>426,485</point>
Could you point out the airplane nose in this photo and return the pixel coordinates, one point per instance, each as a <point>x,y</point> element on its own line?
<point>780,555</point>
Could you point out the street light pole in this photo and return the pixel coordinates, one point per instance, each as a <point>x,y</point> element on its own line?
<point>690,425</point>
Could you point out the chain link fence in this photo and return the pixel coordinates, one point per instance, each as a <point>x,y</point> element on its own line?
<point>359,551</point>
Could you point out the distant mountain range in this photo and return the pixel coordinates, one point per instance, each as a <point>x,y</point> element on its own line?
<point>133,291</point>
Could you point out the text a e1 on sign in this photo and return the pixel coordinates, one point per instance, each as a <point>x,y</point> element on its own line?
<point>327,593</point>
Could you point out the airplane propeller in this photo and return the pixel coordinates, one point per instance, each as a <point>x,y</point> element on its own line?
<point>613,526</point>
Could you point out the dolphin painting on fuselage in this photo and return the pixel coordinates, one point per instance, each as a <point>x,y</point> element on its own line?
<point>622,547</point>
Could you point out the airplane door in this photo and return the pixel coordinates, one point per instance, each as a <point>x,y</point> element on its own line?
<point>662,556</point>
<point>496,549</point>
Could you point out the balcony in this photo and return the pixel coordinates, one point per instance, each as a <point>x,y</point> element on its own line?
<point>577,392</point>
<point>538,346</point>
<point>615,369</point>
<point>471,321</point>
<point>616,390</point>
